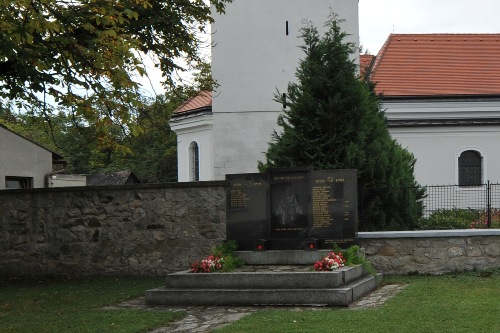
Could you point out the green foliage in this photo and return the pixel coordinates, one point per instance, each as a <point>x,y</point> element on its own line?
<point>457,218</point>
<point>226,250</point>
<point>87,56</point>
<point>334,120</point>
<point>151,153</point>
<point>354,255</point>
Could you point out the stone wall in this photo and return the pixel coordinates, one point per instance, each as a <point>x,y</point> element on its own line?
<point>128,230</point>
<point>432,252</point>
<point>154,230</point>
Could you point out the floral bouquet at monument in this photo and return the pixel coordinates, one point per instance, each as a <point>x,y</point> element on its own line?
<point>207,265</point>
<point>221,259</point>
<point>331,262</point>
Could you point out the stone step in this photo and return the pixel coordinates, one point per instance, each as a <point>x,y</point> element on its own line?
<point>288,257</point>
<point>265,280</point>
<point>321,296</point>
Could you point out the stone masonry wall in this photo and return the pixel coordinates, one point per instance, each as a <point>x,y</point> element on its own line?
<point>154,230</point>
<point>432,252</point>
<point>132,230</point>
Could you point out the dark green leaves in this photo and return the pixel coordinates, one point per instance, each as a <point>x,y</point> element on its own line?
<point>84,55</point>
<point>333,120</point>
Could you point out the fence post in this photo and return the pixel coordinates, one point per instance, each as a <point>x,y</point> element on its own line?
<point>488,191</point>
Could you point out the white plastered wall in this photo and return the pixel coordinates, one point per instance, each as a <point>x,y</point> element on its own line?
<point>437,148</point>
<point>252,58</point>
<point>22,158</point>
<point>199,129</point>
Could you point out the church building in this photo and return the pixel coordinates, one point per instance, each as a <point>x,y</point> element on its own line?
<point>440,93</point>
<point>255,52</point>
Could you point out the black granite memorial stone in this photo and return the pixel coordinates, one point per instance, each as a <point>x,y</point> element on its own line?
<point>248,209</point>
<point>334,218</point>
<point>287,209</point>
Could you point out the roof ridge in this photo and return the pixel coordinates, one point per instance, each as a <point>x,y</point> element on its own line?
<point>54,154</point>
<point>202,94</point>
<point>438,64</point>
<point>380,55</point>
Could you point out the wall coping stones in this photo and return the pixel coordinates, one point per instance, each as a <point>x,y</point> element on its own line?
<point>430,233</point>
<point>215,183</point>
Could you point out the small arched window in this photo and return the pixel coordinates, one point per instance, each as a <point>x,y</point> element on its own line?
<point>194,162</point>
<point>470,168</point>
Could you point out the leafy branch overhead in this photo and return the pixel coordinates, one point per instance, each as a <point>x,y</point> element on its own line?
<point>87,55</point>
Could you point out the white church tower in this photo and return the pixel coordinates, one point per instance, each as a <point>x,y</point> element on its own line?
<point>255,53</point>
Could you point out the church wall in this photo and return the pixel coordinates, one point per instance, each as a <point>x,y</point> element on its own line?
<point>252,59</point>
<point>197,129</point>
<point>463,108</point>
<point>437,148</point>
<point>241,146</point>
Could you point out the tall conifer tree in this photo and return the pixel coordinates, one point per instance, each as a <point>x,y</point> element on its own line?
<point>333,120</point>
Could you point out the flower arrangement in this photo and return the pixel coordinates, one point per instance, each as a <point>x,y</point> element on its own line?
<point>482,221</point>
<point>208,265</point>
<point>331,262</point>
<point>220,259</point>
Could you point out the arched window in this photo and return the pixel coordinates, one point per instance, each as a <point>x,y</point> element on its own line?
<point>470,168</point>
<point>194,162</point>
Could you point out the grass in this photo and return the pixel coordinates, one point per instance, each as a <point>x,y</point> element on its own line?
<point>75,306</point>
<point>467,302</point>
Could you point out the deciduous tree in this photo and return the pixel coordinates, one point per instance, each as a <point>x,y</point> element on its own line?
<point>86,55</point>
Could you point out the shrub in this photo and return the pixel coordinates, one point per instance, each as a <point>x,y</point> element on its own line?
<point>458,218</point>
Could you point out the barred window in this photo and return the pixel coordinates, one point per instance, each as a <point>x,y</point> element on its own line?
<point>470,168</point>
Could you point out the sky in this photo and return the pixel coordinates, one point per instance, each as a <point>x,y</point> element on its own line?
<point>379,18</point>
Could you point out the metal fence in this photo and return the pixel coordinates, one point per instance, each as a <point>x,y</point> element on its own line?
<point>457,207</point>
<point>463,206</point>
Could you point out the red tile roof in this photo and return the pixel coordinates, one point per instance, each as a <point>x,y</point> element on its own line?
<point>438,65</point>
<point>201,101</point>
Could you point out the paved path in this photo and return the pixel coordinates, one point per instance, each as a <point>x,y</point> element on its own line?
<point>203,319</point>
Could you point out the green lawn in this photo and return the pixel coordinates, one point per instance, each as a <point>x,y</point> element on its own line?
<point>75,306</point>
<point>462,303</point>
<point>453,303</point>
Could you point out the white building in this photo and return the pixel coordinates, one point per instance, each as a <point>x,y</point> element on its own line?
<point>255,54</point>
<point>193,124</point>
<point>441,93</point>
<point>23,163</point>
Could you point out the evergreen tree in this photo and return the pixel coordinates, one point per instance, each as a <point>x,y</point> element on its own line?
<point>333,120</point>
